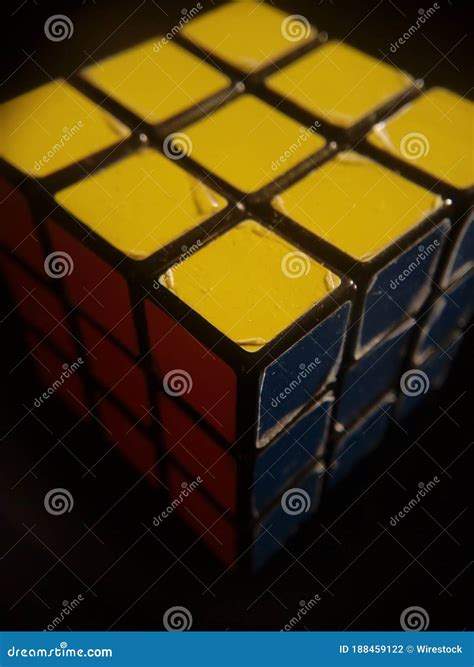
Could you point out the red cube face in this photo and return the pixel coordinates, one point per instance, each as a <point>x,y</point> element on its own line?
<point>205,381</point>
<point>188,442</point>
<point>209,523</point>
<point>131,441</point>
<point>63,376</point>
<point>39,306</point>
<point>96,288</point>
<point>116,371</point>
<point>18,235</point>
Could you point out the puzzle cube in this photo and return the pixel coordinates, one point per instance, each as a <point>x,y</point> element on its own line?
<point>213,268</point>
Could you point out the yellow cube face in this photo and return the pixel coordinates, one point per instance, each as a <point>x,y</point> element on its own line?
<point>249,144</point>
<point>433,133</point>
<point>356,205</point>
<point>250,284</point>
<point>249,35</point>
<point>156,80</point>
<point>141,203</point>
<point>339,84</point>
<point>54,126</point>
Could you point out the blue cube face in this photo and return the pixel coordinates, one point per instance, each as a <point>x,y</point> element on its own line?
<point>452,310</point>
<point>299,445</point>
<point>296,505</point>
<point>368,378</point>
<point>400,289</point>
<point>360,440</point>
<point>462,255</point>
<point>432,373</point>
<point>298,375</point>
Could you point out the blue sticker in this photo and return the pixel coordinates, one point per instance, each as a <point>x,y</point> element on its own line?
<point>371,376</point>
<point>449,312</point>
<point>297,376</point>
<point>296,506</point>
<point>360,441</point>
<point>399,289</point>
<point>291,453</point>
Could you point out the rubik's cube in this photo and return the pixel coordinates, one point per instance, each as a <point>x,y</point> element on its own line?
<point>227,248</point>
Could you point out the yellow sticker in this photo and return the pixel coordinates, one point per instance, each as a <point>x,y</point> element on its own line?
<point>357,205</point>
<point>249,35</point>
<point>54,126</point>
<point>249,143</point>
<point>250,283</point>
<point>156,79</point>
<point>339,84</point>
<point>434,133</point>
<point>141,203</point>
